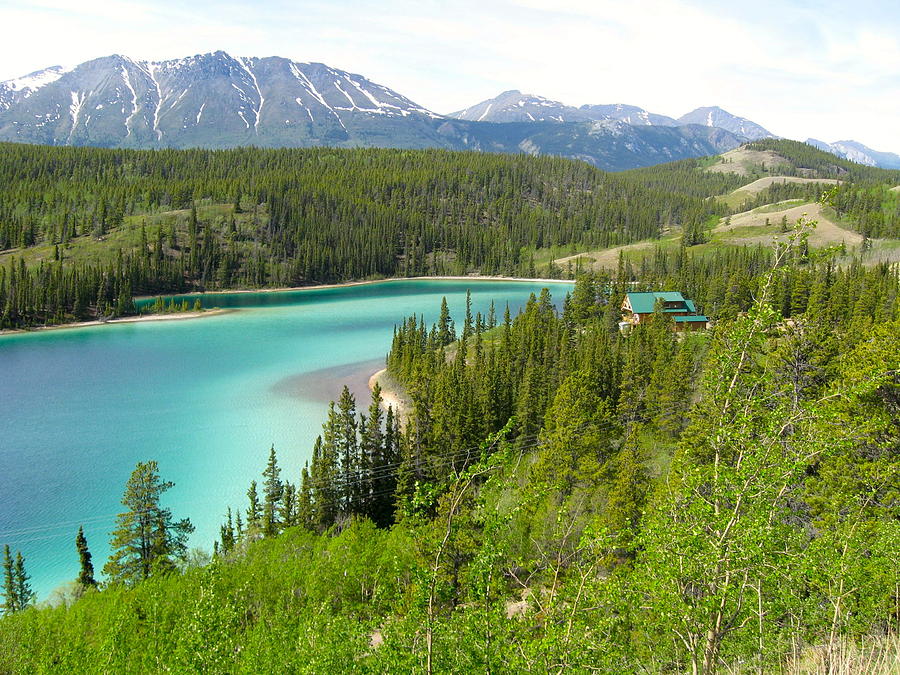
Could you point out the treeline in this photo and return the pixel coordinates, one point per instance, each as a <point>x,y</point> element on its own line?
<point>55,293</point>
<point>296,217</point>
<point>688,177</point>
<point>872,209</point>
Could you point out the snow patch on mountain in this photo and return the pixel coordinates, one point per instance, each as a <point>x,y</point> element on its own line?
<point>34,81</point>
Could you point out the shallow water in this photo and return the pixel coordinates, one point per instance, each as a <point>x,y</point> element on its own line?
<point>206,398</point>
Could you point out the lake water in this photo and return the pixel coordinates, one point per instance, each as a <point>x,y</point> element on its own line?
<point>206,398</point>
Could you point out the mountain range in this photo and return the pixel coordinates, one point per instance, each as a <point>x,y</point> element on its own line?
<point>217,100</point>
<point>514,106</point>
<point>859,153</point>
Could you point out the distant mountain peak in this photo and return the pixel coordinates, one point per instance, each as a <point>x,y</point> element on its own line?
<point>218,100</point>
<point>714,116</point>
<point>514,106</point>
<point>859,153</point>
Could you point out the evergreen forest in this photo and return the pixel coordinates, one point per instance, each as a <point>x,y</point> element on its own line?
<point>85,230</point>
<point>546,492</point>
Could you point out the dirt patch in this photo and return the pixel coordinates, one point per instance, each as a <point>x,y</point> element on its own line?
<point>761,184</point>
<point>742,161</point>
<point>605,259</point>
<point>826,233</point>
<point>514,609</point>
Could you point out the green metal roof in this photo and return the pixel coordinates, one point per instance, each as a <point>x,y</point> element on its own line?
<point>643,303</point>
<point>685,319</point>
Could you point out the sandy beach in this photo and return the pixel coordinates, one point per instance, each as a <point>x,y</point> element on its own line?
<point>391,393</point>
<point>125,319</point>
<point>217,311</point>
<point>346,284</point>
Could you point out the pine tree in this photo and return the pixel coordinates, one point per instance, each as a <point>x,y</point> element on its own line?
<point>372,454</point>
<point>304,516</point>
<point>627,496</point>
<point>288,510</point>
<point>24,593</point>
<point>10,590</point>
<point>446,330</point>
<point>348,451</point>
<point>273,489</point>
<point>253,510</point>
<point>226,533</point>
<point>146,537</point>
<point>86,575</point>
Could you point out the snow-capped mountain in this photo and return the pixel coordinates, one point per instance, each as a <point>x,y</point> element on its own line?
<point>630,114</point>
<point>714,116</point>
<point>514,106</point>
<point>209,99</point>
<point>857,152</point>
<point>218,100</point>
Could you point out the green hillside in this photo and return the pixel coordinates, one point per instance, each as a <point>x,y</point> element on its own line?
<point>764,188</point>
<point>84,229</point>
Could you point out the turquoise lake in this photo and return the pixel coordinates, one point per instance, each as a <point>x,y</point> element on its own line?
<point>206,398</point>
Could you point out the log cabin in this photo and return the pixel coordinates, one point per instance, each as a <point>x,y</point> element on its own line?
<point>638,307</point>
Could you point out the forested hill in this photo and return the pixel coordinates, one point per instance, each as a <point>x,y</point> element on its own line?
<point>720,174</point>
<point>84,229</point>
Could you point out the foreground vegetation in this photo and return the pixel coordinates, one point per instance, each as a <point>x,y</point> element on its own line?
<point>561,497</point>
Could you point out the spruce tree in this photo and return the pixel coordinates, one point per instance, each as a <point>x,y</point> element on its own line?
<point>304,516</point>
<point>146,537</point>
<point>24,593</point>
<point>10,590</point>
<point>273,489</point>
<point>253,510</point>
<point>446,330</point>
<point>371,453</point>
<point>348,451</point>
<point>86,575</point>
<point>226,533</point>
<point>288,509</point>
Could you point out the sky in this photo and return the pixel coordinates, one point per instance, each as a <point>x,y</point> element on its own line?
<point>825,69</point>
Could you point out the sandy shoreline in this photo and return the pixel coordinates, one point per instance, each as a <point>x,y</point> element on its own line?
<point>125,319</point>
<point>347,284</point>
<point>390,396</point>
<point>217,311</point>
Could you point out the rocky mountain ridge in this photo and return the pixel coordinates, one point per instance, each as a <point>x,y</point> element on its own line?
<point>217,100</point>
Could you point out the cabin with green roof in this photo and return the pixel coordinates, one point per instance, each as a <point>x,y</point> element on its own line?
<point>639,307</point>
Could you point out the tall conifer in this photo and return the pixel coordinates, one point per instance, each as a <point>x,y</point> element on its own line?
<point>86,574</point>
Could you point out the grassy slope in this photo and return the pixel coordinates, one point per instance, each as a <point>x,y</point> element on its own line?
<point>127,236</point>
<point>762,168</point>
